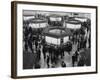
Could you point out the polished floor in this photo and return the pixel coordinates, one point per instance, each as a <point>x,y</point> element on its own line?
<point>67,59</point>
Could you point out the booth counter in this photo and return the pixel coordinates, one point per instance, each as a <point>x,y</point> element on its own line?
<point>57,36</point>
<point>38,23</point>
<point>73,24</point>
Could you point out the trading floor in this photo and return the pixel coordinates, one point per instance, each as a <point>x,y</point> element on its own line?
<point>56,41</point>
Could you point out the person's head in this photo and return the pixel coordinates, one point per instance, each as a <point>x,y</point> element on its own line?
<point>76,51</point>
<point>63,62</point>
<point>47,56</point>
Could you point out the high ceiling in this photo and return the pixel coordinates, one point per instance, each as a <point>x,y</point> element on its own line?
<point>48,13</point>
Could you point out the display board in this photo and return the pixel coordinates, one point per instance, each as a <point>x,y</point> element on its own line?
<point>38,25</point>
<point>55,18</point>
<point>73,26</point>
<point>81,19</point>
<point>52,40</point>
<point>28,17</point>
<point>66,39</point>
